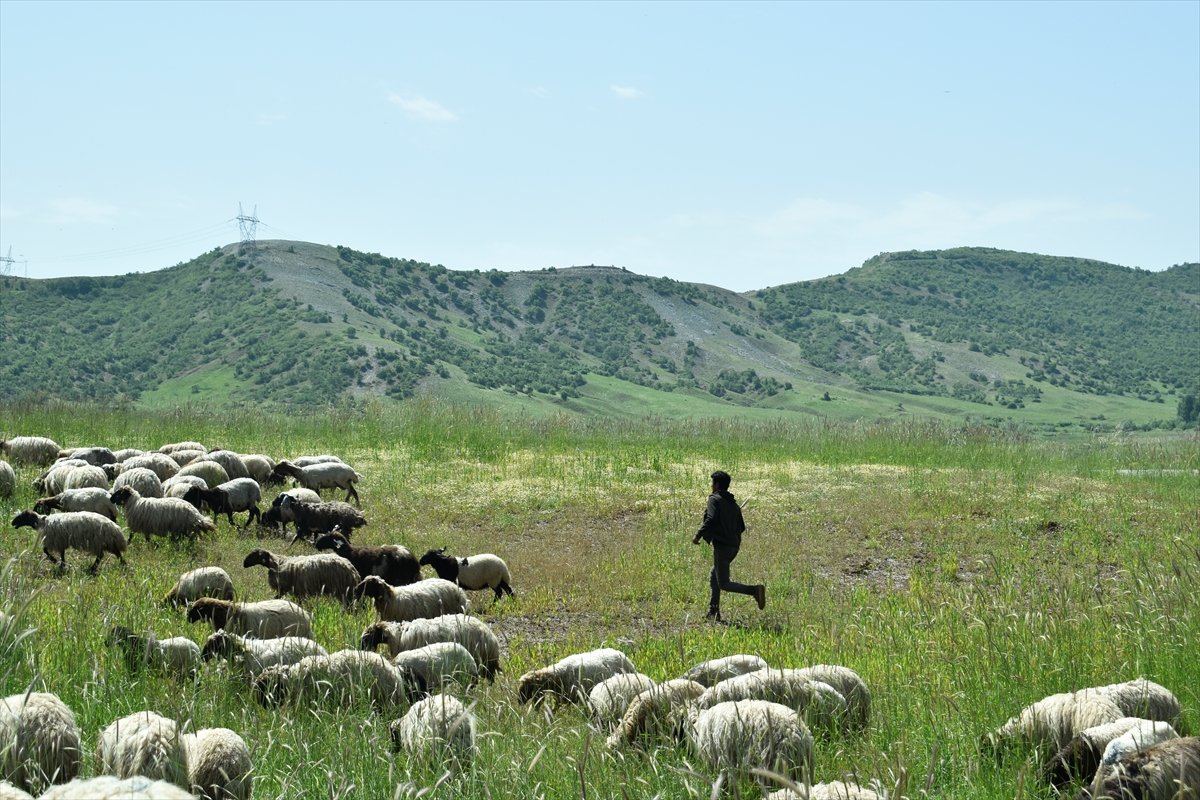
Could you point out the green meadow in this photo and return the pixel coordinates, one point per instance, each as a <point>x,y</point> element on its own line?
<point>964,572</point>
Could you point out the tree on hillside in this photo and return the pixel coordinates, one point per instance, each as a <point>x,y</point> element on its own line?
<point>1189,409</point>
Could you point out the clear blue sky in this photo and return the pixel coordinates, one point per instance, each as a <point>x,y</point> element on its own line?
<point>737,144</point>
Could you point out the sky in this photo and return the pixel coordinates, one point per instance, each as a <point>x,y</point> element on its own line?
<point>744,145</point>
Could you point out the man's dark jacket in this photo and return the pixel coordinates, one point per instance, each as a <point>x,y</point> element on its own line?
<point>723,525</point>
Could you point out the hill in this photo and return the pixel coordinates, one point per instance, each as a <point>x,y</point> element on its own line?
<point>969,331</point>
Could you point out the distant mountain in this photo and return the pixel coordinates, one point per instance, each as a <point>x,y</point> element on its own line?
<point>302,324</point>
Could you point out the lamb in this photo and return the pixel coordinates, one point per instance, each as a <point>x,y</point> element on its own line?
<point>230,461</point>
<point>84,531</point>
<point>1056,719</point>
<point>1169,770</point>
<point>202,582</point>
<point>177,656</point>
<point>1143,735</point>
<point>438,664</point>
<point>161,516</point>
<point>122,456</point>
<point>142,743</point>
<point>107,787</point>
<point>438,727</point>
<point>171,448</point>
<point>218,764</point>
<point>740,735</point>
<point>850,686</point>
<point>145,482</point>
<point>39,742</point>
<point>96,456</point>
<point>329,475</point>
<point>307,576</point>
<point>573,677</point>
<point>92,499</point>
<point>660,711</point>
<point>1082,755</point>
<point>267,619</point>
<point>338,678</point>
<point>235,496</point>
<point>392,562</point>
<point>162,466</point>
<point>483,571</point>
<point>85,476</point>
<point>212,472</point>
<point>470,632</point>
<point>255,655</point>
<point>8,479</point>
<point>259,467</point>
<point>710,673</point>
<point>320,517</point>
<point>816,702</point>
<point>34,451</point>
<point>431,598</point>
<point>609,699</point>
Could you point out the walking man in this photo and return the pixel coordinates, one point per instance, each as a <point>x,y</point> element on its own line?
<point>722,528</point>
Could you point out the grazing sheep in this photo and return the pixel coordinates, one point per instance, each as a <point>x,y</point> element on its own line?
<point>93,499</point>
<point>573,677</point>
<point>235,496</point>
<point>83,477</point>
<point>10,792</point>
<point>202,582</point>
<point>1081,756</point>
<point>710,673</point>
<point>232,463</point>
<point>834,790</point>
<point>171,448</point>
<point>129,452</point>
<point>184,457</point>
<point>431,598</point>
<point>160,516</point>
<point>483,571</point>
<point>320,517</point>
<point>266,619</point>
<point>1143,698</point>
<point>470,632</point>
<point>659,711</point>
<point>609,699</point>
<point>307,576</point>
<point>1139,737</point>
<point>212,472</point>
<point>218,764</point>
<point>259,467</point>
<point>162,466</point>
<point>1057,719</point>
<point>142,743</point>
<point>740,735</point>
<point>438,664</point>
<point>34,451</point>
<point>142,480</point>
<point>52,479</point>
<point>329,475</point>
<point>108,787</point>
<point>1169,770</point>
<point>438,727</point>
<point>96,456</point>
<point>273,517</point>
<point>392,562</point>
<point>818,703</point>
<point>39,743</point>
<point>180,484</point>
<point>178,655</point>
<point>336,679</point>
<point>850,686</point>
<point>8,479</point>
<point>84,531</point>
<point>308,461</point>
<point>255,655</point>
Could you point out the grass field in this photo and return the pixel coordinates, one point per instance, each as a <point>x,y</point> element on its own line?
<point>964,573</point>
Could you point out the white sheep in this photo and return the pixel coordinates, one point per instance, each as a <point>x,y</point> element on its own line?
<point>255,655</point>
<point>741,735</point>
<point>1139,737</point>
<point>834,790</point>
<point>127,453</point>
<point>10,792</point>
<point>52,478</point>
<point>474,573</point>
<point>85,476</point>
<point>39,742</point>
<point>817,703</point>
<point>259,467</point>
<point>212,472</point>
<point>307,576</point>
<point>162,466</point>
<point>1168,770</point>
<point>93,499</point>
<point>472,633</point>
<point>709,673</point>
<point>84,531</point>
<point>850,686</point>
<point>308,461</point>
<point>1142,698</point>
<point>8,479</point>
<point>142,480</point>
<point>266,619</point>
<point>573,677</point>
<point>438,727</point>
<point>431,598</point>
<point>184,457</point>
<point>1056,719</point>
<point>1081,756</point>
<point>659,711</point>
<point>174,446</point>
<point>96,456</point>
<point>36,451</point>
<point>335,679</point>
<point>142,743</point>
<point>234,496</point>
<point>218,764</point>
<point>178,655</point>
<point>231,462</point>
<point>160,516</point>
<point>108,787</point>
<point>328,475</point>
<point>609,699</point>
<point>180,485</point>
<point>202,582</point>
<point>435,665</point>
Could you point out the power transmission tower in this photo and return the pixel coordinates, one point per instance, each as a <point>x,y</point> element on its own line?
<point>248,225</point>
<point>6,263</point>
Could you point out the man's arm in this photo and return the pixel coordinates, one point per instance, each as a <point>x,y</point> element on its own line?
<point>710,524</point>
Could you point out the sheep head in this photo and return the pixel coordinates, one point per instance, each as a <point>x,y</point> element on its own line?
<point>26,519</point>
<point>372,637</point>
<point>219,644</point>
<point>533,684</point>
<point>270,686</point>
<point>259,556</point>
<point>372,586</point>
<point>334,540</point>
<point>216,611</point>
<point>123,495</point>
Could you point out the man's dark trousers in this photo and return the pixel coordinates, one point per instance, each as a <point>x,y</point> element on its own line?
<point>718,579</point>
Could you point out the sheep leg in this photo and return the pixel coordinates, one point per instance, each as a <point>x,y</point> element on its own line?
<point>498,590</point>
<point>504,585</point>
<point>52,559</point>
<point>96,565</point>
<point>350,492</point>
<point>229,511</point>
<point>254,515</point>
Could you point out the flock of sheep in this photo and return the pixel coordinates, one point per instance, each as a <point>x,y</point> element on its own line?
<point>737,713</point>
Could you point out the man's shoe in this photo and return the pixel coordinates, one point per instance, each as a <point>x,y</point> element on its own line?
<point>760,596</point>
<point>713,615</point>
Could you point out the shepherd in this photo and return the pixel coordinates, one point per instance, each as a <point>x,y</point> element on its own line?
<point>722,528</point>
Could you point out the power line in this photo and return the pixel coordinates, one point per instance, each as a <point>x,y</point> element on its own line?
<point>146,247</point>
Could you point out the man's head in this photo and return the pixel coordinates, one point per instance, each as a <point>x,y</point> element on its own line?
<point>720,480</point>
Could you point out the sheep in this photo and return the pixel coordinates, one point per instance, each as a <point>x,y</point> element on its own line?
<point>320,517</point>
<point>145,482</point>
<point>743,734</point>
<point>259,467</point>
<point>107,787</point>
<point>212,472</point>
<point>39,742</point>
<point>658,711</point>
<point>850,686</point>
<point>162,466</point>
<point>710,673</point>
<point>1082,755</point>
<point>218,764</point>
<point>178,655</point>
<point>184,457</point>
<point>307,576</point>
<point>266,619</point>
<point>483,571</point>
<point>392,562</point>
<point>10,792</point>
<point>84,531</point>
<point>1139,737</point>
<point>161,516</point>
<point>834,790</point>
<point>92,499</point>
<point>438,664</point>
<point>171,448</point>
<point>255,655</point>
<point>34,451</point>
<point>142,743</point>
<point>431,598</point>
<point>1169,770</point>
<point>338,678</point>
<point>609,699</point>
<point>180,484</point>
<point>122,456</point>
<point>230,461</point>
<point>329,475</point>
<point>96,456</point>
<point>308,461</point>
<point>470,632</point>
<point>237,495</point>
<point>51,480</point>
<point>83,477</point>
<point>1143,698</point>
<point>816,702</point>
<point>8,479</point>
<point>438,727</point>
<point>573,677</point>
<point>202,582</point>
<point>274,518</point>
<point>1056,719</point>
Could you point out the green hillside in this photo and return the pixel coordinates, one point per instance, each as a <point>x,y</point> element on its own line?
<point>955,333</point>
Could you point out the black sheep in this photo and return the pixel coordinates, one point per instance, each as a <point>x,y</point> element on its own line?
<point>311,518</point>
<point>392,562</point>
